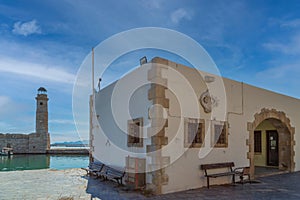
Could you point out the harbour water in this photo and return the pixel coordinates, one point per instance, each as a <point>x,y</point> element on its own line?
<point>42,161</point>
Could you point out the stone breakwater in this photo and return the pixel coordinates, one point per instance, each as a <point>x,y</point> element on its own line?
<point>25,143</point>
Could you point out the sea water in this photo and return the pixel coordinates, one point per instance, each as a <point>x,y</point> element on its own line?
<point>42,161</point>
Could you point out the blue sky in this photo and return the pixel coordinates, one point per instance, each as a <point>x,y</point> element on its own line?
<point>43,43</point>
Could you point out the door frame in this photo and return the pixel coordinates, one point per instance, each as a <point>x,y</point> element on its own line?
<point>259,117</point>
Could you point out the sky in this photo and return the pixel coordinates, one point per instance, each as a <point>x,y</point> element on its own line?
<point>43,43</point>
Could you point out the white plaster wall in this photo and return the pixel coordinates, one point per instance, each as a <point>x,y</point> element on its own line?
<point>109,141</point>
<point>243,101</point>
<point>256,99</point>
<point>184,172</point>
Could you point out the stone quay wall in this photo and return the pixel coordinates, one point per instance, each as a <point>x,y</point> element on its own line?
<point>25,143</point>
<point>69,151</point>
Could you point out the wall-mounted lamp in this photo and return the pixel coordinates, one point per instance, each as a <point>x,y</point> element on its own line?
<point>99,83</point>
<point>143,60</point>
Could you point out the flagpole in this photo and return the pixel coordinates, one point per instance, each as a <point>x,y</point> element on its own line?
<point>92,111</point>
<point>93,73</point>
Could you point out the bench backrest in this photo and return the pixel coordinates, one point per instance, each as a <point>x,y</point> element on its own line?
<point>217,165</point>
<point>96,166</point>
<point>114,172</point>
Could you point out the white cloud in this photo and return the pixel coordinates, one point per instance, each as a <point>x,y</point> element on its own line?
<point>156,4</point>
<point>55,74</point>
<point>291,24</point>
<point>289,48</point>
<point>3,101</point>
<point>26,28</point>
<point>283,79</point>
<point>61,121</point>
<point>64,137</point>
<point>9,108</point>
<point>275,46</point>
<point>6,106</point>
<point>282,72</point>
<point>5,126</point>
<point>180,14</point>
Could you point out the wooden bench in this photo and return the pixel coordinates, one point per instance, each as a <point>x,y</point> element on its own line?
<point>102,173</point>
<point>94,168</point>
<point>109,173</point>
<point>242,172</point>
<point>208,167</point>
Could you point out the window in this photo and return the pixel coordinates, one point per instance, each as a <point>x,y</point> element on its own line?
<point>194,133</point>
<point>135,133</point>
<point>257,141</point>
<point>220,134</point>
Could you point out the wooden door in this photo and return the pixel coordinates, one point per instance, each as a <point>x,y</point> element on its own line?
<point>272,148</point>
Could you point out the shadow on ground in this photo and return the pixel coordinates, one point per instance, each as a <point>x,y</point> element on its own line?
<point>283,186</point>
<point>109,190</point>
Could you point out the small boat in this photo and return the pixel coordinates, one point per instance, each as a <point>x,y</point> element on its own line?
<point>6,151</point>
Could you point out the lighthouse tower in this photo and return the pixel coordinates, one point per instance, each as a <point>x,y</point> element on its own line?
<point>41,111</point>
<point>39,142</point>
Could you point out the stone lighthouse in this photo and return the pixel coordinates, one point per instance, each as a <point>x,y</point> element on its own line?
<point>40,141</point>
<point>41,111</point>
<point>37,142</point>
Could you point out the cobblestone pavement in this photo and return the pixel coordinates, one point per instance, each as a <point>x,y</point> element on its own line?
<point>73,184</point>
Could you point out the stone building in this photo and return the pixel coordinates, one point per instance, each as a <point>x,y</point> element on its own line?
<point>164,128</point>
<point>38,142</point>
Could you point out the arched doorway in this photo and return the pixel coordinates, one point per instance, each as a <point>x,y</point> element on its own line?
<point>271,141</point>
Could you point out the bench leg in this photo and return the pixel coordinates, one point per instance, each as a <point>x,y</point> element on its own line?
<point>207,182</point>
<point>249,178</point>
<point>233,178</point>
<point>119,181</point>
<point>242,179</point>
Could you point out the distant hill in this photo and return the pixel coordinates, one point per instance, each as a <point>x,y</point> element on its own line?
<point>83,143</point>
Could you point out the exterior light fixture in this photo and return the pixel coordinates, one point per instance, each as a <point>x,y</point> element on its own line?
<point>143,60</point>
